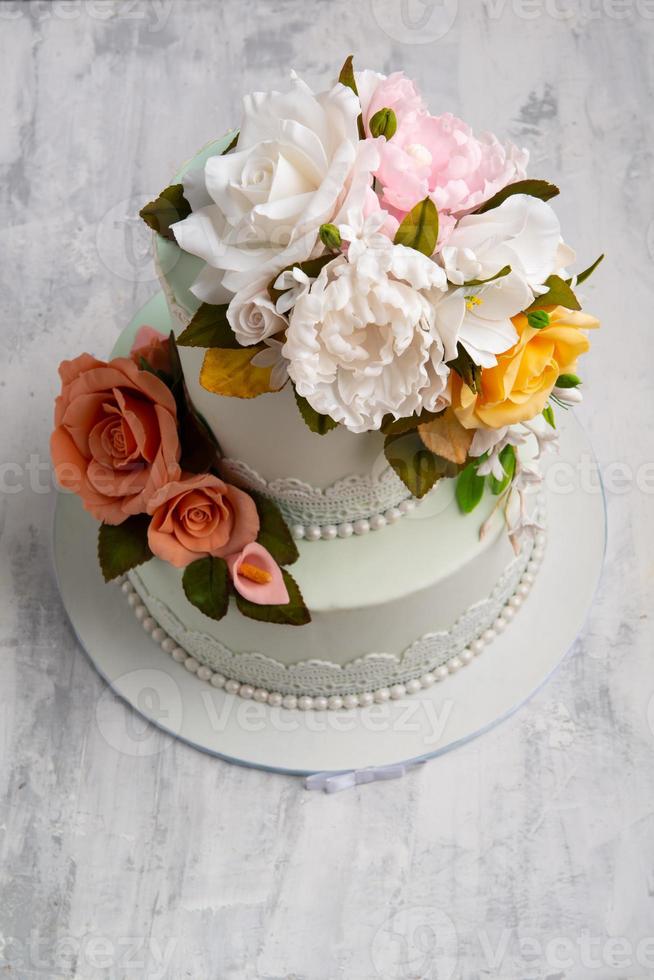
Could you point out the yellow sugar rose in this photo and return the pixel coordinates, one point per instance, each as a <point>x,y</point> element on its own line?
<point>517,388</point>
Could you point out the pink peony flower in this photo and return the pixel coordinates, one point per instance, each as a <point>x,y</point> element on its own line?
<point>397,92</point>
<point>437,156</point>
<point>257,576</point>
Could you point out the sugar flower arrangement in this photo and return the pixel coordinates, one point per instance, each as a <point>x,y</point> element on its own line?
<point>400,273</point>
<point>130,444</point>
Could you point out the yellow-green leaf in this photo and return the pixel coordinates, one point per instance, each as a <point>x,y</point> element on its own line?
<point>209,328</point>
<point>558,294</point>
<point>419,228</point>
<point>123,546</point>
<point>469,488</point>
<point>230,372</point>
<point>294,613</point>
<point>417,467</point>
<point>166,210</point>
<point>583,276</point>
<point>206,586</point>
<point>541,189</point>
<point>346,76</point>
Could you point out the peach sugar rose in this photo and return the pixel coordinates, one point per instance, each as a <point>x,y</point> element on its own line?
<point>115,440</point>
<point>153,347</point>
<point>200,515</point>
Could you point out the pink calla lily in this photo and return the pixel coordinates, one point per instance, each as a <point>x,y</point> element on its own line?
<point>257,576</point>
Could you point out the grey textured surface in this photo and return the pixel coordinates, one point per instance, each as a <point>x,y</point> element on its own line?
<point>528,853</point>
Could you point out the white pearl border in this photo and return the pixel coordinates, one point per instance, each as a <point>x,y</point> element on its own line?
<point>347,701</point>
<point>329,532</point>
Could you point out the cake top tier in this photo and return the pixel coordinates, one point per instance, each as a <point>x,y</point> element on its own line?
<point>317,482</point>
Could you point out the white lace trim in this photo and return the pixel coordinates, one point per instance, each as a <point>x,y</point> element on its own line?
<point>326,678</point>
<point>353,498</point>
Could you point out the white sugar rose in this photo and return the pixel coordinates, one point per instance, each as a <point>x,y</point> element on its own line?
<point>289,174</point>
<point>252,315</point>
<point>362,342</point>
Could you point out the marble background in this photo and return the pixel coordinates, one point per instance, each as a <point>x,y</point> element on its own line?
<point>526,854</point>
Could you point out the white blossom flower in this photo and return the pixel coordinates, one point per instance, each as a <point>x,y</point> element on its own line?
<point>493,442</point>
<point>523,233</point>
<point>520,517</point>
<point>362,342</point>
<point>479,318</point>
<point>294,283</point>
<point>272,357</point>
<point>569,396</point>
<point>362,233</point>
<point>547,439</point>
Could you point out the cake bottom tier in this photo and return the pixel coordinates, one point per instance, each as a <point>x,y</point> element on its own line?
<point>391,612</point>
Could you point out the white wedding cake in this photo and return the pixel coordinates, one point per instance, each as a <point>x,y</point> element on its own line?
<point>372,325</point>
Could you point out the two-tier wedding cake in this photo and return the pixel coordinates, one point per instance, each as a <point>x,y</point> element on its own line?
<point>321,489</point>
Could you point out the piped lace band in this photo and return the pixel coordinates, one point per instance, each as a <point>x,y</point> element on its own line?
<point>322,684</point>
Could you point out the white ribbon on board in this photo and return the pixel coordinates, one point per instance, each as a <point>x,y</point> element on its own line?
<point>335,782</point>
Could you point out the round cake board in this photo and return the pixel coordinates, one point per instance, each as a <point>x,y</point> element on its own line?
<point>418,727</point>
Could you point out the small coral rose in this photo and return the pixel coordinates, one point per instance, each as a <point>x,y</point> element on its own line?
<point>200,515</point>
<point>115,440</point>
<point>257,576</point>
<point>153,347</point>
<point>517,388</point>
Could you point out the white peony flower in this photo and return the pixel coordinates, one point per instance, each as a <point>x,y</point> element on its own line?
<point>292,167</point>
<point>252,315</point>
<point>363,343</point>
